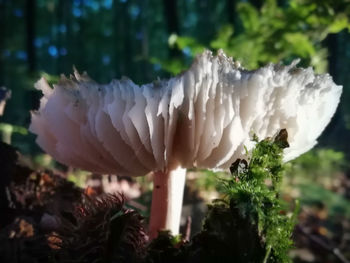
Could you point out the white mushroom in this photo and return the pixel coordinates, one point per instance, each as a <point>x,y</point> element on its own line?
<point>201,118</point>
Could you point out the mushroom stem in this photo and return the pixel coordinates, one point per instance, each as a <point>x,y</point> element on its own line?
<point>168,189</point>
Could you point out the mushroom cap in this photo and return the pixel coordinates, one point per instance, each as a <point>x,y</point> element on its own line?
<point>202,118</point>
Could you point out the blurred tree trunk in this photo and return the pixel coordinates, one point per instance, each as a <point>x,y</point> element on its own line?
<point>123,54</point>
<point>116,32</point>
<point>146,69</point>
<point>336,132</point>
<point>80,40</point>
<point>2,40</point>
<point>231,11</point>
<point>128,45</point>
<point>30,34</point>
<point>60,38</point>
<point>331,43</point>
<point>257,3</point>
<point>171,18</point>
<point>145,40</point>
<point>67,10</point>
<point>31,97</point>
<point>140,46</point>
<point>204,9</point>
<point>233,18</point>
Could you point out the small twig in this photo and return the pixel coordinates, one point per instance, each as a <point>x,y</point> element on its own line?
<point>335,251</point>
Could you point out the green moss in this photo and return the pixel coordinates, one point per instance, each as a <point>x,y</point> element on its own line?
<point>254,191</point>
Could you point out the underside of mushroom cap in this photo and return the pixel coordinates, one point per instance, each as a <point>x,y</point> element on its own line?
<point>203,117</point>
